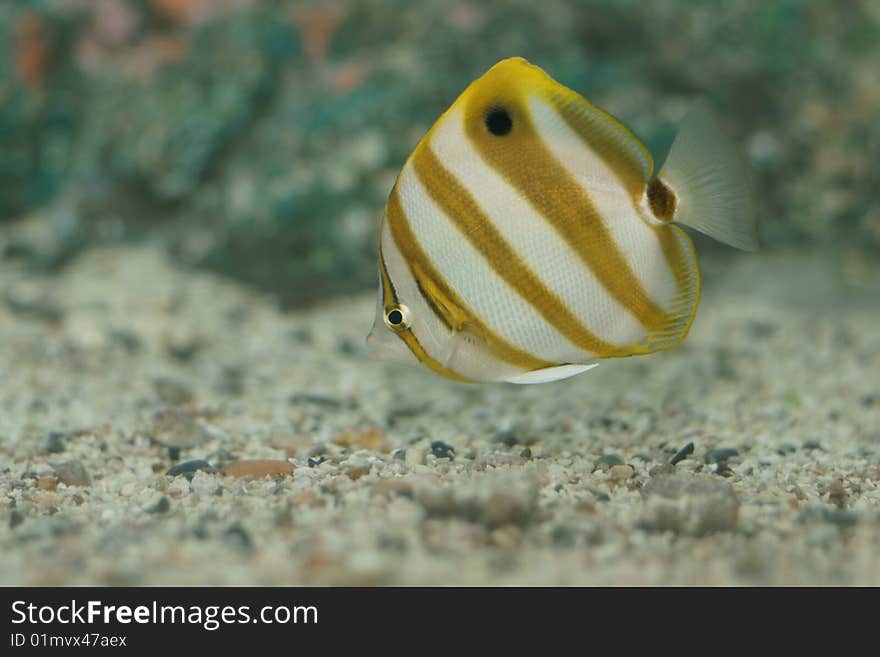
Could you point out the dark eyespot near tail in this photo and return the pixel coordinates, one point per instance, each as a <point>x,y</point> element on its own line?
<point>498,121</point>
<point>662,200</point>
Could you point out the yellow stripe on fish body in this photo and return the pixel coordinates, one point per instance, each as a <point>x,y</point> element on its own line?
<point>525,237</point>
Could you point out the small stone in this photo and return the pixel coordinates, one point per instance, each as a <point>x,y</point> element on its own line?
<point>689,504</point>
<point>720,455</point>
<point>871,399</point>
<point>621,472</point>
<point>526,453</point>
<point>46,483</point>
<point>682,454</point>
<point>172,392</point>
<point>126,339</point>
<point>442,450</point>
<point>608,461</point>
<point>838,517</point>
<point>258,468</point>
<point>15,519</point>
<point>239,538</point>
<point>183,348</point>
<point>810,445</point>
<point>189,468</point>
<point>494,500</point>
<point>33,304</point>
<point>162,506</point>
<point>315,400</point>
<point>314,462</point>
<point>415,456</point>
<point>372,439</point>
<point>388,488</point>
<point>503,508</point>
<point>510,438</point>
<point>399,454</point>
<point>55,442</point>
<point>786,448</point>
<point>836,492</point>
<point>356,472</point>
<point>173,427</point>
<point>72,473</point>
<point>291,445</point>
<point>231,381</point>
<point>506,536</point>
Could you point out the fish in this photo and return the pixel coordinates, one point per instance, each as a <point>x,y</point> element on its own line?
<point>527,237</point>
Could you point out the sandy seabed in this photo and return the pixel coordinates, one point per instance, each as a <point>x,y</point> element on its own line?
<point>123,368</point>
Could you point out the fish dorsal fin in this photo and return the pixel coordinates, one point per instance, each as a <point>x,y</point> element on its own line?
<point>620,152</point>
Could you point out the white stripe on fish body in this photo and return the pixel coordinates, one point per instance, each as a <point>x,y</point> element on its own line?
<point>465,270</point>
<point>539,245</point>
<point>432,333</point>
<point>636,239</point>
<point>455,352</point>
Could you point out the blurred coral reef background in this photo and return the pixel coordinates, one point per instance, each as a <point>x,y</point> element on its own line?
<point>259,139</point>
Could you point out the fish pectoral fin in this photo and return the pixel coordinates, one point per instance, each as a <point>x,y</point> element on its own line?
<point>465,340</point>
<point>551,374</point>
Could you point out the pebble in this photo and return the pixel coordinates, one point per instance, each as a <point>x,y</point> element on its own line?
<point>689,504</point>
<point>498,498</point>
<point>414,456</point>
<point>15,519</point>
<point>162,506</point>
<point>46,483</point>
<point>356,472</point>
<point>720,455</point>
<point>183,347</point>
<point>173,427</point>
<point>838,517</point>
<point>682,454</point>
<point>258,468</point>
<point>189,468</point>
<point>608,461</point>
<point>372,439</point>
<point>172,392</point>
<point>621,472</point>
<point>442,450</point>
<point>33,304</point>
<point>388,488</point>
<point>55,442</point>
<point>290,445</point>
<point>511,437</point>
<point>72,473</point>
<point>239,538</point>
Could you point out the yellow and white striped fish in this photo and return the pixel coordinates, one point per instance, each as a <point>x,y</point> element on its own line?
<point>527,237</point>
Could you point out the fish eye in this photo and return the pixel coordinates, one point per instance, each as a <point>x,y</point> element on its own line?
<point>397,318</point>
<point>498,121</point>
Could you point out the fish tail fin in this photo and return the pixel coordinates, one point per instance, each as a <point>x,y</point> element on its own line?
<point>710,183</point>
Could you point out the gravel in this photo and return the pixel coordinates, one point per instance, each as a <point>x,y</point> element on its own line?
<point>115,460</point>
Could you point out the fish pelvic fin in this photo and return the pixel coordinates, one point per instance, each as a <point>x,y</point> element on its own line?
<point>704,183</point>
